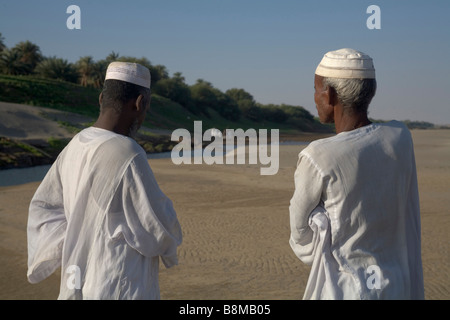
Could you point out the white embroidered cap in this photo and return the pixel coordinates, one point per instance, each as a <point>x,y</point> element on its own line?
<point>129,72</point>
<point>346,63</point>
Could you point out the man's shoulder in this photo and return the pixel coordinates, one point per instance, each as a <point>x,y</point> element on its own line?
<point>122,143</point>
<point>121,147</point>
<point>391,132</point>
<point>108,144</point>
<point>320,145</point>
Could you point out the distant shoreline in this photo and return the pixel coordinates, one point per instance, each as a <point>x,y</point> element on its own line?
<point>19,155</point>
<point>32,135</point>
<point>20,175</point>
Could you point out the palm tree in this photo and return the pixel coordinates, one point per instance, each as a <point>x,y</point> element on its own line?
<point>10,63</point>
<point>158,72</point>
<point>178,76</point>
<point>85,67</point>
<point>143,61</point>
<point>2,43</point>
<point>98,73</point>
<point>113,56</point>
<point>57,68</point>
<point>29,54</point>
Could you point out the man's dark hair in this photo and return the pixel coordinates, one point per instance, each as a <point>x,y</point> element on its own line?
<point>117,93</point>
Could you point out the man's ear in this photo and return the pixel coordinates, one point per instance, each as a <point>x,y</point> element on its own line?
<point>100,98</point>
<point>332,96</point>
<point>140,103</point>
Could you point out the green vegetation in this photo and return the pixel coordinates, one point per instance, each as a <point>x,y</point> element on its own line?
<point>33,90</point>
<point>419,124</point>
<point>15,154</point>
<point>55,146</point>
<point>69,126</point>
<point>26,76</point>
<point>415,124</point>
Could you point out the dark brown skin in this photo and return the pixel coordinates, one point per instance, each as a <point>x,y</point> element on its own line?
<point>121,123</point>
<point>330,109</point>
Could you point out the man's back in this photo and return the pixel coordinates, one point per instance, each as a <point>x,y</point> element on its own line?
<point>368,184</point>
<point>113,220</point>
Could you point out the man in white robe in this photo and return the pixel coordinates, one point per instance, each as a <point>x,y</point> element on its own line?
<point>355,215</point>
<point>99,213</point>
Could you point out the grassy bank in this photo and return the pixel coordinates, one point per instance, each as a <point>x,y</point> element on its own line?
<point>164,115</point>
<point>50,93</point>
<point>15,154</point>
<point>18,154</point>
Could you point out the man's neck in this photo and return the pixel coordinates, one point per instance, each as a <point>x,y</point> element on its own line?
<point>345,121</point>
<point>111,121</point>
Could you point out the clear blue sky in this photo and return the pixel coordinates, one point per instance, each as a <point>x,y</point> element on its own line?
<point>270,48</point>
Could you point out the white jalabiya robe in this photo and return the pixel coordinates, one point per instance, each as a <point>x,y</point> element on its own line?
<point>100,215</point>
<point>355,215</point>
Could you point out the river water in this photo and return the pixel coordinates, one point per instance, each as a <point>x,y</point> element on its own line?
<point>12,177</point>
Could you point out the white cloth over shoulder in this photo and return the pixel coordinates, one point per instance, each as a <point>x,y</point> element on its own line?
<point>100,215</point>
<point>319,253</point>
<point>355,215</point>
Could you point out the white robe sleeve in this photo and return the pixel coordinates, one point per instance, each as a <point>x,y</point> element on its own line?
<point>308,190</point>
<point>144,215</point>
<point>46,228</point>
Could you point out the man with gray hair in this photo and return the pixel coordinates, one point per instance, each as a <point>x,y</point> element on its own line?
<point>99,213</point>
<point>355,214</point>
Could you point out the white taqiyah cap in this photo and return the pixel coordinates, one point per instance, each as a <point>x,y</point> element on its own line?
<point>346,63</point>
<point>129,72</point>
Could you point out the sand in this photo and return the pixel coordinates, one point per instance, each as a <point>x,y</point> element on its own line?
<point>31,124</point>
<point>236,228</point>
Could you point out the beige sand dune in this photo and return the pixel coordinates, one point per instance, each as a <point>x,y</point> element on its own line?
<point>31,123</point>
<point>236,228</point>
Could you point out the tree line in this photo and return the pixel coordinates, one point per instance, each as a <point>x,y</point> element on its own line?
<point>25,58</point>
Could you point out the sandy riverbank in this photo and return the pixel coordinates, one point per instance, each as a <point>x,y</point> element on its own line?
<point>236,229</point>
